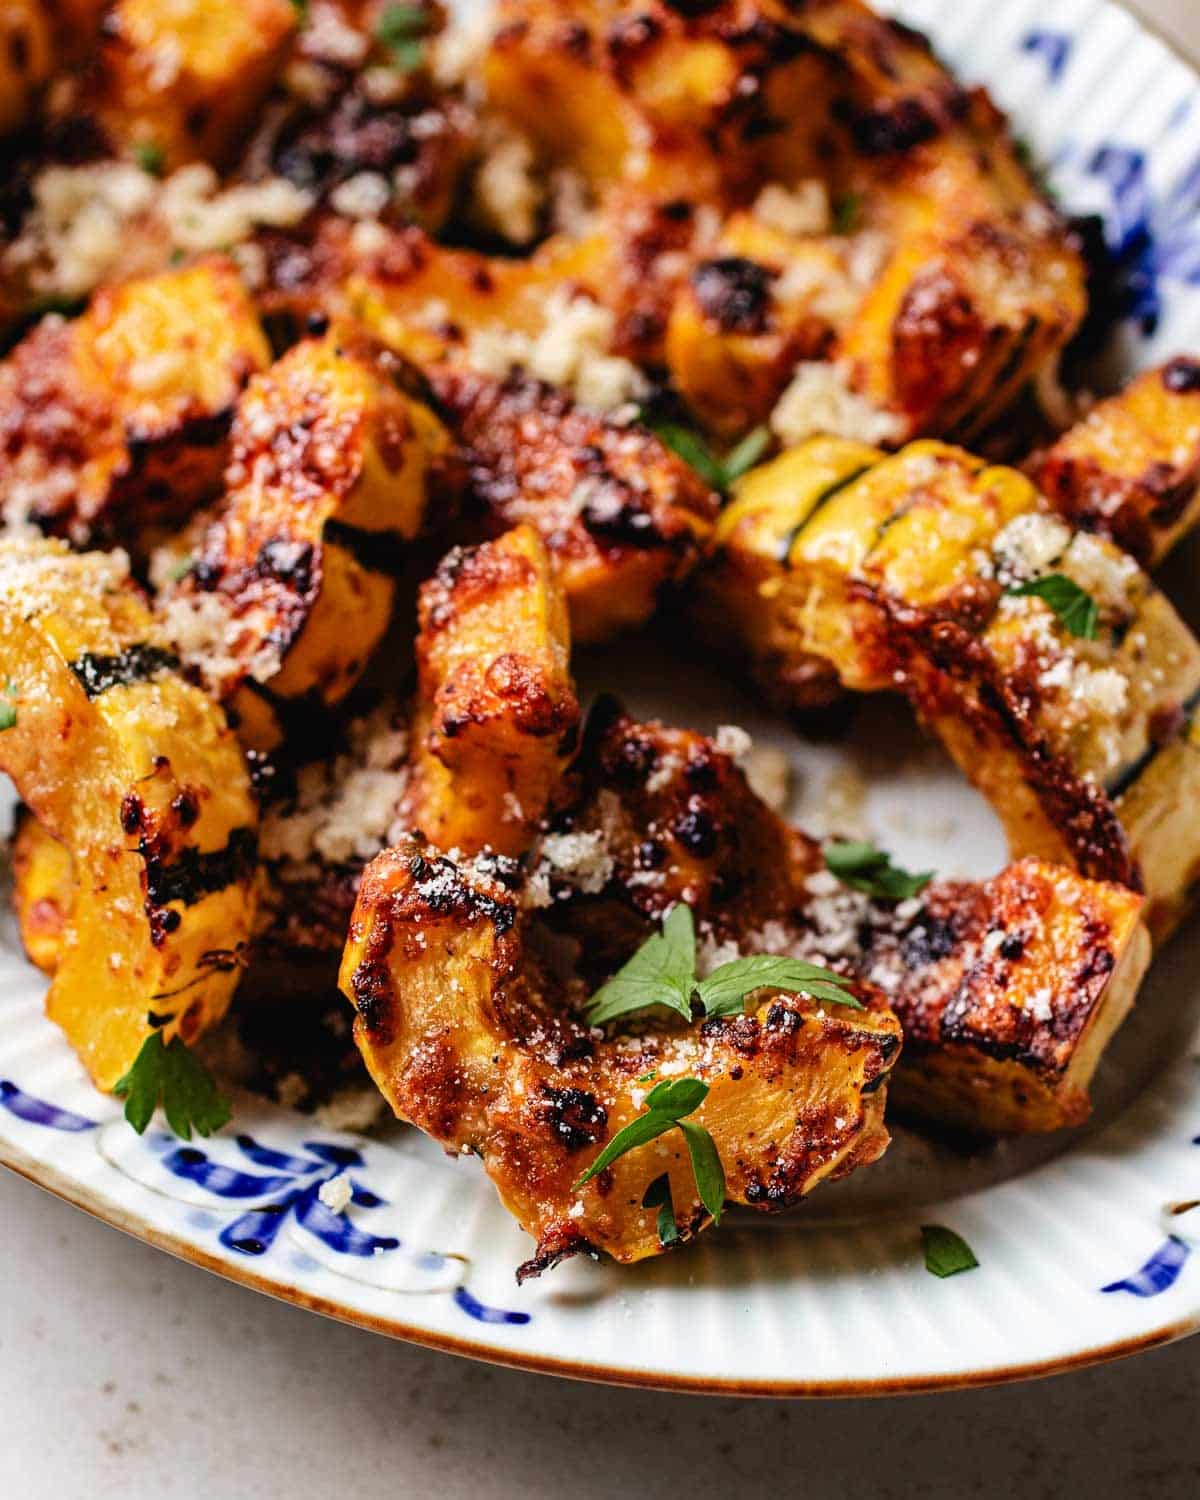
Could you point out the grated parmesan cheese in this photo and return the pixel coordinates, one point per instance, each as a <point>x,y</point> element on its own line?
<point>336,1194</point>
<point>802,210</point>
<point>820,400</point>
<point>570,352</point>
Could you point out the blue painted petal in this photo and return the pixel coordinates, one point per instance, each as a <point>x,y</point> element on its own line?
<point>336,1230</point>
<point>363,1197</point>
<point>1159,1273</point>
<point>193,1165</point>
<point>484,1314</point>
<point>1053,47</point>
<point>266,1156</point>
<point>338,1156</point>
<point>254,1233</point>
<point>39,1111</point>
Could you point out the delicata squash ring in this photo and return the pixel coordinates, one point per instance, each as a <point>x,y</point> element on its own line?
<point>470,1036</point>
<point>137,775</point>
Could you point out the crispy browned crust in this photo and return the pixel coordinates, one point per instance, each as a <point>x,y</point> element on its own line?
<point>471,1038</point>
<point>1130,469</point>
<point>337,466</point>
<point>621,515</point>
<point>96,441</point>
<point>497,717</point>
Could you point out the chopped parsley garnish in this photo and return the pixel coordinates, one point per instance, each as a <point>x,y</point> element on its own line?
<point>171,1075</point>
<point>1074,606</point>
<point>663,972</point>
<point>8,707</point>
<point>181,569</point>
<point>946,1253</point>
<point>666,1105</point>
<point>861,866</point>
<point>401,30</point>
<point>151,157</point>
<point>847,210</point>
<point>720,473</point>
<point>658,1195</point>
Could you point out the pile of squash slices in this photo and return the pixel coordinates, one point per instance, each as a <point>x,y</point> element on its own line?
<point>359,367</point>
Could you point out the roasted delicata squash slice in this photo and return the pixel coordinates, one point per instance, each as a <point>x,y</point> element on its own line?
<point>622,517</point>
<point>137,776</point>
<point>922,571</point>
<point>184,80</point>
<point>1130,470</point>
<point>496,716</point>
<point>472,1037</point>
<point>336,467</point>
<point>961,283</point>
<point>117,420</point>
<point>1007,990</point>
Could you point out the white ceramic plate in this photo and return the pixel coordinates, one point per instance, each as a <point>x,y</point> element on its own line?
<point>1084,1250</point>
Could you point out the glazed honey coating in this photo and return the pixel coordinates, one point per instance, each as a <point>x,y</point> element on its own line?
<point>117,422</point>
<point>504,1068</point>
<point>137,776</point>
<point>335,470</point>
<point>1007,990</point>
<point>838,566</point>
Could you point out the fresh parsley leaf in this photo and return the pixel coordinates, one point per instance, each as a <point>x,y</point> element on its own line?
<point>720,473</point>
<point>401,29</point>
<point>706,1168</point>
<point>861,866</point>
<point>692,448</point>
<point>8,715</point>
<point>171,1076</point>
<point>747,453</point>
<point>151,157</point>
<point>847,210</point>
<point>659,973</point>
<point>658,1195</point>
<point>725,989</point>
<point>639,1132</point>
<point>663,972</point>
<point>1074,606</point>
<point>676,1097</point>
<point>649,1077</point>
<point>946,1253</point>
<point>666,1105</point>
<point>181,568</point>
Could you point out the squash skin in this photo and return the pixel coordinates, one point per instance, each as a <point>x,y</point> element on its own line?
<point>137,775</point>
<point>504,1069</point>
<point>335,470</point>
<point>116,422</point>
<point>496,715</point>
<point>1130,470</point>
<point>888,575</point>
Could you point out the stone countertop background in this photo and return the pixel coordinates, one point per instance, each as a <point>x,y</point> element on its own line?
<point>125,1373</point>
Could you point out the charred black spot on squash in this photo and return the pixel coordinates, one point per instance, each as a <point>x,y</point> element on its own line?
<point>98,673</point>
<point>576,1117</point>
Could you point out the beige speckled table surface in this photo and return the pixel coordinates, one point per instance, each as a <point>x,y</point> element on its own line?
<point>124,1373</point>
